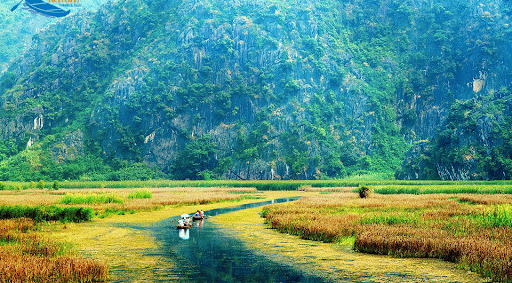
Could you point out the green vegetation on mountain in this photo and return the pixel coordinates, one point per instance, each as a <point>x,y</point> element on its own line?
<point>474,144</point>
<point>262,90</point>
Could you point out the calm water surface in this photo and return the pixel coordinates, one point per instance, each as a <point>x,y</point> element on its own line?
<point>206,254</point>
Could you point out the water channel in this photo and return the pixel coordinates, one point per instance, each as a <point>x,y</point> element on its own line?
<point>208,253</point>
<point>205,253</point>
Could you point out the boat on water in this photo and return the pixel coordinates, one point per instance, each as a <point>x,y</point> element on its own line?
<point>199,215</point>
<point>184,222</point>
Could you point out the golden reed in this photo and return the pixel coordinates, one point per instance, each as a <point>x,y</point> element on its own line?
<point>471,230</point>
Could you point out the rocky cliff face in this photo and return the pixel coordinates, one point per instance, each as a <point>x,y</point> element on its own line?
<point>281,89</point>
<point>461,113</point>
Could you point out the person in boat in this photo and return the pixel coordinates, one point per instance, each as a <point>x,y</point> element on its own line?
<point>187,221</point>
<point>198,214</point>
<point>181,223</point>
<point>201,213</point>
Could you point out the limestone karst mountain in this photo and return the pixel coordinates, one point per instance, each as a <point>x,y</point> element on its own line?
<point>263,89</point>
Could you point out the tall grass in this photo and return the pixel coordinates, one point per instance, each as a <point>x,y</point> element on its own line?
<point>106,202</point>
<point>91,198</point>
<point>46,213</point>
<point>27,256</point>
<point>477,253</point>
<point>497,216</point>
<point>380,186</point>
<point>465,188</point>
<point>22,268</point>
<point>389,219</point>
<point>140,194</point>
<point>440,226</point>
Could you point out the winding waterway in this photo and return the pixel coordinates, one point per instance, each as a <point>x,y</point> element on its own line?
<point>209,253</point>
<point>206,254</point>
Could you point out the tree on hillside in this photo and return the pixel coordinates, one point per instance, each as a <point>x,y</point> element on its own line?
<point>197,161</point>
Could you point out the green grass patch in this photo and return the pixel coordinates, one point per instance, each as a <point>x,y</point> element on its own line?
<point>463,188</point>
<point>90,199</point>
<point>346,241</point>
<point>380,186</point>
<point>47,213</point>
<point>388,219</point>
<point>244,197</point>
<point>396,190</point>
<point>497,216</point>
<point>140,194</point>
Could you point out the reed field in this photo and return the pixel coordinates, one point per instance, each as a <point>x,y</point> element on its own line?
<point>28,255</point>
<point>380,186</point>
<point>472,230</point>
<point>463,222</point>
<point>105,202</point>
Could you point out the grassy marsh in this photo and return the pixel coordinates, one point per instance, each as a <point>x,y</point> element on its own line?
<point>27,255</point>
<point>101,240</point>
<point>470,230</point>
<point>126,247</point>
<point>335,262</point>
<point>106,202</point>
<point>332,212</point>
<point>384,186</point>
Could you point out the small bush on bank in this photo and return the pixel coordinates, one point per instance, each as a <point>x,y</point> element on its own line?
<point>364,191</point>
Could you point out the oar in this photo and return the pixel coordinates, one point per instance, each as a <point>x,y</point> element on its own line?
<point>16,6</point>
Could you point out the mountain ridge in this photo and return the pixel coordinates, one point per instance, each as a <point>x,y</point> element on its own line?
<point>256,89</point>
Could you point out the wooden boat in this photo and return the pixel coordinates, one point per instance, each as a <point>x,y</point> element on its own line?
<point>46,9</point>
<point>184,227</point>
<point>197,218</point>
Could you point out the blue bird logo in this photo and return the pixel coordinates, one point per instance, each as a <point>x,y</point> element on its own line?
<point>42,8</point>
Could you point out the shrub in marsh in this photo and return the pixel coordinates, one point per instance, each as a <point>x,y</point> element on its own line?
<point>56,185</point>
<point>364,191</point>
<point>40,184</point>
<point>75,214</point>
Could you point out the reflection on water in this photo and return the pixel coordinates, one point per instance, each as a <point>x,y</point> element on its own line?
<point>210,255</point>
<point>184,234</point>
<point>198,223</point>
<point>214,212</point>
